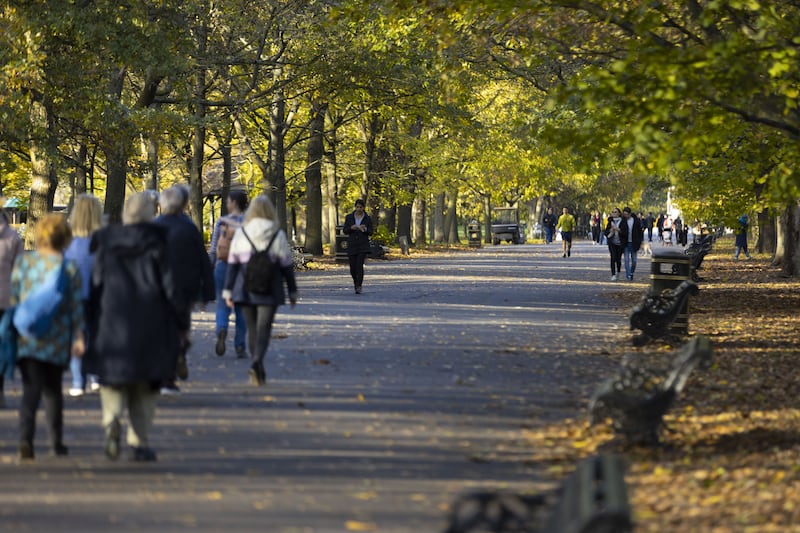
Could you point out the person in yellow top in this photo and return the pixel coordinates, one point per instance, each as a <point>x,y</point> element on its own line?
<point>566,224</point>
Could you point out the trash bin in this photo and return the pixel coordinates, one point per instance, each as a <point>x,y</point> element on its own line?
<point>341,244</point>
<point>668,269</point>
<point>474,234</point>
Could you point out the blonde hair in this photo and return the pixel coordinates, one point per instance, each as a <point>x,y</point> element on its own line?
<point>260,207</point>
<point>141,207</point>
<point>52,231</point>
<point>86,216</point>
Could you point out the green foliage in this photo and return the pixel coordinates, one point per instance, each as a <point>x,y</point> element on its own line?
<point>383,236</point>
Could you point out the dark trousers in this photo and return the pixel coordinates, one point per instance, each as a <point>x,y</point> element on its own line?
<point>259,319</point>
<point>357,268</point>
<point>616,257</point>
<point>41,380</point>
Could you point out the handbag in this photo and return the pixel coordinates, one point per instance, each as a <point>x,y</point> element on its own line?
<point>8,344</point>
<point>34,315</point>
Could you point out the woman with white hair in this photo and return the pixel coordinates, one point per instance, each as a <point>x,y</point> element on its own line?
<point>187,256</point>
<point>133,326</point>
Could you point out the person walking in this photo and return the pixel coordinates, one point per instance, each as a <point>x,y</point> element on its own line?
<point>549,221</point>
<point>42,360</point>
<point>358,227</point>
<point>133,324</point>
<point>677,230</point>
<point>615,247</point>
<point>10,248</point>
<point>648,225</point>
<point>631,235</point>
<point>86,218</point>
<point>566,223</point>
<point>596,229</point>
<point>260,231</point>
<point>195,280</point>
<point>741,238</point>
<point>221,240</point>
<point>660,226</point>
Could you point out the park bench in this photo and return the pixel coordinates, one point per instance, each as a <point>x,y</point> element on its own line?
<point>594,498</point>
<point>656,311</point>
<point>638,398</point>
<point>697,252</point>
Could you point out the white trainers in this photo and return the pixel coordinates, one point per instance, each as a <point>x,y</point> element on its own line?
<point>75,392</point>
<point>614,277</point>
<point>94,386</point>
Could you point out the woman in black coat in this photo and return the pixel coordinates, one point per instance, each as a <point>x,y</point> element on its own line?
<point>133,324</point>
<point>358,227</point>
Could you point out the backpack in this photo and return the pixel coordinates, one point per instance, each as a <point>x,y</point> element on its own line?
<point>35,314</point>
<point>226,230</point>
<point>260,269</point>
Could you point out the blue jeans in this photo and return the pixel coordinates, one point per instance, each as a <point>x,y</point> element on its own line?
<point>630,260</point>
<point>224,312</point>
<point>548,234</point>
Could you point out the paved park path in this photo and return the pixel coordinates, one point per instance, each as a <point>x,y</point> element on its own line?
<point>379,410</point>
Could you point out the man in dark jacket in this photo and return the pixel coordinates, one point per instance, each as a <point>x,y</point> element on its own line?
<point>132,323</point>
<point>631,234</point>
<point>549,221</point>
<point>188,259</point>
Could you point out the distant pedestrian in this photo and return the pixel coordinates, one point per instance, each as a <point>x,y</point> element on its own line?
<point>86,218</point>
<point>677,230</point>
<point>358,227</point>
<point>660,226</point>
<point>187,253</point>
<point>549,221</point>
<point>221,240</point>
<point>631,235</point>
<point>666,231</point>
<point>42,360</point>
<point>648,225</point>
<point>741,237</point>
<point>134,341</point>
<point>10,248</point>
<point>260,231</point>
<point>566,224</point>
<point>615,247</point>
<point>596,221</point>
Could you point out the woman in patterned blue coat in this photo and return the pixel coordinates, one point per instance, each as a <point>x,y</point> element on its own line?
<point>42,361</point>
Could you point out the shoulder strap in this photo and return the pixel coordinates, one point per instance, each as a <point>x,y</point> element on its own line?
<point>269,244</point>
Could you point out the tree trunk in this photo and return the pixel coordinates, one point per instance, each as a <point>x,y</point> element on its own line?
<point>199,111</point>
<point>152,162</point>
<point>487,219</point>
<point>80,174</point>
<point>787,253</point>
<point>116,157</point>
<point>404,221</point>
<point>438,220</point>
<point>420,205</point>
<point>451,221</point>
<point>43,174</point>
<point>276,187</point>
<point>767,232</point>
<point>332,192</point>
<point>374,162</point>
<point>315,153</point>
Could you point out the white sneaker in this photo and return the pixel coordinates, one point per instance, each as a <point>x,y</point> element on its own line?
<point>75,391</point>
<point>614,277</point>
<point>94,386</point>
